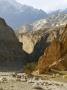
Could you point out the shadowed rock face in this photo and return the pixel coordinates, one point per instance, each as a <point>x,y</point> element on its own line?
<point>55,56</point>
<point>11,54</point>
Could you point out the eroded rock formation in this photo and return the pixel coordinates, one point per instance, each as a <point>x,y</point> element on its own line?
<point>55,56</point>
<point>34,43</point>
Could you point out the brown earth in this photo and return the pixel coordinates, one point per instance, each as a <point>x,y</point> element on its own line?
<point>55,56</point>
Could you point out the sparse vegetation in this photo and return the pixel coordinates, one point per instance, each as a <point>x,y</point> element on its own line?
<point>29,67</point>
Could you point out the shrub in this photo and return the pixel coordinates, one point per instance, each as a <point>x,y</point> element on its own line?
<point>29,68</point>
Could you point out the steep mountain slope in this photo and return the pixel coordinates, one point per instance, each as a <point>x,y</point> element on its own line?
<point>11,53</point>
<point>35,42</point>
<point>58,19</point>
<point>17,14</point>
<point>54,19</point>
<point>55,56</point>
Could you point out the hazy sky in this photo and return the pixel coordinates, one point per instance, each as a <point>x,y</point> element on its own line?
<point>46,5</point>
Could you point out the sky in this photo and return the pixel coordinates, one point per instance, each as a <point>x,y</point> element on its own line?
<point>46,5</point>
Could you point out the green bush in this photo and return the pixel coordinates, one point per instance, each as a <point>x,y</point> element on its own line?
<point>29,68</point>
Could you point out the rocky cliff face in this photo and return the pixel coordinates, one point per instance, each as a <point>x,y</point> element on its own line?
<point>55,56</point>
<point>11,54</point>
<point>34,43</point>
<point>48,47</point>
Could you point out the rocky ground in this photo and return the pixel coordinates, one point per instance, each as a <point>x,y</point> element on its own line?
<point>12,81</point>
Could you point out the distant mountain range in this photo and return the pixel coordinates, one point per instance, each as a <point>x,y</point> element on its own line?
<point>28,18</point>
<point>17,14</point>
<point>54,19</point>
